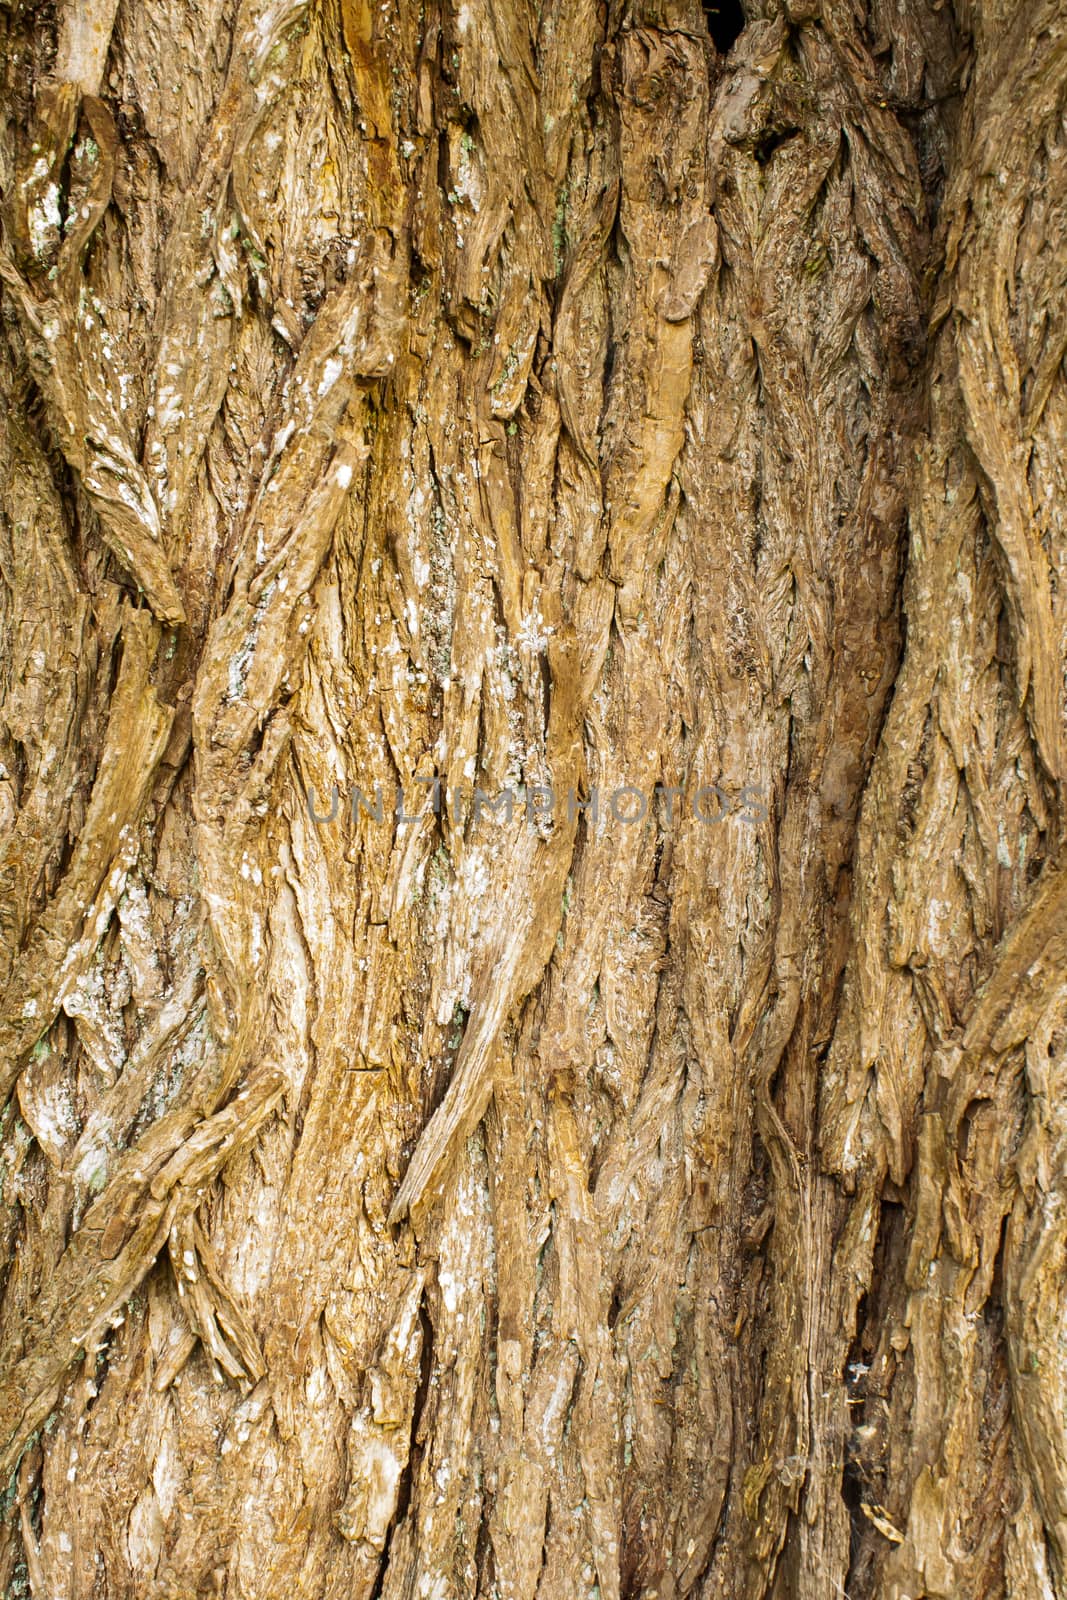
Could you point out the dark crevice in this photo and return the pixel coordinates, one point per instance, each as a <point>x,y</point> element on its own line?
<point>407,1478</point>
<point>484,1559</point>
<point>615,1308</point>
<point>546,691</point>
<point>726,21</point>
<point>422,1393</point>
<point>376,1592</point>
<point>773,139</point>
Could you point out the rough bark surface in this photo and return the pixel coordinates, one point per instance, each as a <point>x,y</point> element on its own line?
<point>578,395</point>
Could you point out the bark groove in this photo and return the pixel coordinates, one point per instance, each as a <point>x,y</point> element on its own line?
<point>406,1191</point>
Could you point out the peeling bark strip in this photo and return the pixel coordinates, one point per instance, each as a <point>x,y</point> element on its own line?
<point>647,414</point>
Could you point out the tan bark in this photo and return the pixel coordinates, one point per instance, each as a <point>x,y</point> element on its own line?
<point>539,1205</point>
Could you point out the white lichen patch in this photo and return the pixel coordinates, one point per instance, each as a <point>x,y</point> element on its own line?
<point>45,219</point>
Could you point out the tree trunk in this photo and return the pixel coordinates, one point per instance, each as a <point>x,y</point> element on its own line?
<point>534,975</point>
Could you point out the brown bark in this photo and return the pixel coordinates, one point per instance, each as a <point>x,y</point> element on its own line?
<point>533,1206</point>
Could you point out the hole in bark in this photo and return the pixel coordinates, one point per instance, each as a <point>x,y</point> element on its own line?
<point>771,141</point>
<point>725,22</point>
<point>616,1307</point>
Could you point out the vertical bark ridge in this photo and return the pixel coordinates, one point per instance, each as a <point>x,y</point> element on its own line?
<point>405,1191</point>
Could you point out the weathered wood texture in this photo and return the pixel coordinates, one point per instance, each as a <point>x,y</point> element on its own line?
<point>533,395</point>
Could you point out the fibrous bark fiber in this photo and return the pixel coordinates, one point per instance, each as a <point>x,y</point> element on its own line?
<point>648,1191</point>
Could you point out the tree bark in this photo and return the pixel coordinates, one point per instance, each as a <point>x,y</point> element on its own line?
<point>647,1189</point>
